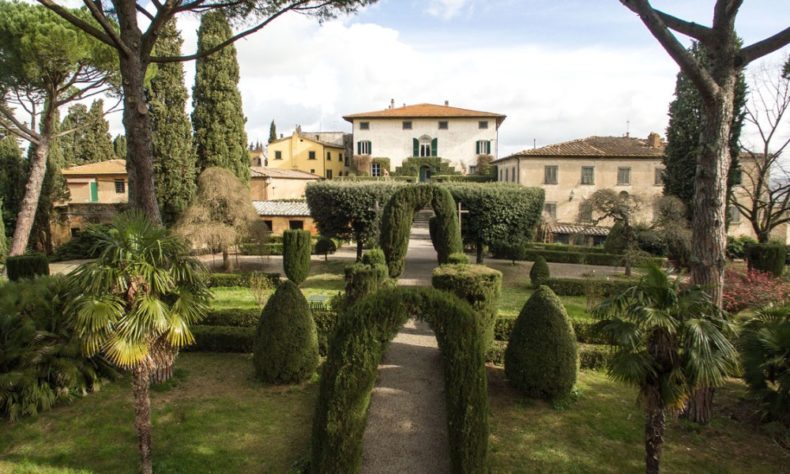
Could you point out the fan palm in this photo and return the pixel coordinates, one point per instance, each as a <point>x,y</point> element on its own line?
<point>135,304</point>
<point>667,341</point>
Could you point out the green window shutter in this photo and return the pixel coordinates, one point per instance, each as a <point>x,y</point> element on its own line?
<point>477,147</point>
<point>359,148</point>
<point>415,144</point>
<point>370,148</point>
<point>435,147</point>
<point>94,191</point>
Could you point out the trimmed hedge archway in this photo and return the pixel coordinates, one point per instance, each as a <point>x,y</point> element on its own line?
<point>397,219</point>
<point>349,375</point>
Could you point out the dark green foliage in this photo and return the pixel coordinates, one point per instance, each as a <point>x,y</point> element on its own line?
<point>80,246</point>
<point>591,356</point>
<point>296,254</point>
<point>397,221</point>
<point>217,116</point>
<point>462,178</point>
<point>497,212</point>
<point>736,246</point>
<point>286,343</point>
<point>237,317</point>
<point>119,147</point>
<point>272,132</point>
<point>767,257</point>
<point>90,142</point>
<point>458,258</point>
<point>363,279</point>
<point>349,210</point>
<point>175,162</point>
<point>651,241</point>
<point>579,286</point>
<point>324,246</point>
<point>3,239</point>
<point>40,358</point>
<point>237,279</point>
<point>374,256</point>
<point>12,180</point>
<point>585,331</point>
<point>223,338</point>
<point>411,166</point>
<point>764,346</point>
<point>541,358</point>
<point>351,368</point>
<point>615,242</point>
<point>27,266</point>
<point>519,251</point>
<point>479,286</point>
<point>539,272</point>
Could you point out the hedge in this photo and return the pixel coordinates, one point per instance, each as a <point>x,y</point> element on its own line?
<point>581,286</point>
<point>478,285</point>
<point>766,257</point>
<point>351,368</point>
<point>461,178</point>
<point>222,339</point>
<point>539,272</point>
<point>591,356</point>
<point>237,279</point>
<point>397,221</point>
<point>269,248</point>
<point>27,266</point>
<point>584,330</point>
<point>564,247</point>
<point>246,317</point>
<point>506,251</point>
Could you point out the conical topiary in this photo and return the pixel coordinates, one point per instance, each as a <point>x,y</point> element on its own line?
<point>539,272</point>
<point>286,343</point>
<point>541,359</point>
<point>296,254</point>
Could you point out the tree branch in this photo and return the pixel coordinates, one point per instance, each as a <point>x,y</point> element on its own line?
<point>761,48</point>
<point>99,16</point>
<point>688,28</point>
<point>79,23</point>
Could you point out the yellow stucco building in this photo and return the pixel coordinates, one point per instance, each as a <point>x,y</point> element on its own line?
<point>321,153</point>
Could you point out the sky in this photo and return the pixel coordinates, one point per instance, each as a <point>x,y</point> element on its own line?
<point>559,69</point>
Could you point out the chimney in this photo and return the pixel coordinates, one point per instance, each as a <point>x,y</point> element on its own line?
<point>654,140</point>
<point>446,103</point>
<point>298,130</point>
<point>392,103</point>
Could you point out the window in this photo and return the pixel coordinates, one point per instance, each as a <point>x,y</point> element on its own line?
<point>269,225</point>
<point>328,174</point>
<point>312,171</point>
<point>482,125</point>
<point>659,178</point>
<point>623,176</point>
<point>735,215</point>
<point>364,147</point>
<point>550,175</point>
<point>737,176</point>
<point>278,155</point>
<point>329,156</point>
<point>120,186</point>
<point>407,124</point>
<point>588,175</point>
<point>364,125</point>
<point>425,149</point>
<point>310,155</point>
<point>585,214</point>
<point>375,169</point>
<point>550,209</point>
<point>483,147</point>
<point>443,125</point>
<point>296,225</point>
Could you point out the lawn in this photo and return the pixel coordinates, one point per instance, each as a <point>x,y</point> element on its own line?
<point>215,418</point>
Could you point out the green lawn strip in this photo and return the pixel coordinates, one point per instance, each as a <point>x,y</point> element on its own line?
<point>602,432</point>
<point>213,418</point>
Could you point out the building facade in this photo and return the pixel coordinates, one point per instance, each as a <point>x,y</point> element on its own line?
<point>318,153</point>
<point>280,216</point>
<point>268,184</point>
<point>104,182</point>
<point>425,130</point>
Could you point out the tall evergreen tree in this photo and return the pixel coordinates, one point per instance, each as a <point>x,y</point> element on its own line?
<point>217,115</point>
<point>684,132</point>
<point>90,142</point>
<point>272,132</point>
<point>119,147</point>
<point>12,180</point>
<point>171,132</point>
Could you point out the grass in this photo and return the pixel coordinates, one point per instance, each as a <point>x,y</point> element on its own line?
<point>212,418</point>
<point>602,431</point>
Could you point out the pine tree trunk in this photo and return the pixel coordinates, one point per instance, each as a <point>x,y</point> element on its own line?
<point>654,438</point>
<point>142,417</point>
<point>139,155</point>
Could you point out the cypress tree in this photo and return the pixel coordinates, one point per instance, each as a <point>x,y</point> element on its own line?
<point>171,132</point>
<point>272,132</point>
<point>119,147</point>
<point>12,180</point>
<point>90,142</point>
<point>217,116</point>
<point>683,134</point>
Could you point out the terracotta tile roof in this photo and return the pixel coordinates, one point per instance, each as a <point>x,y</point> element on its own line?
<point>102,167</point>
<point>598,147</point>
<point>263,172</point>
<point>424,111</point>
<point>282,208</point>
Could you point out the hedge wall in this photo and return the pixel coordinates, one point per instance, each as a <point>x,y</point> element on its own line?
<point>27,266</point>
<point>581,286</point>
<point>222,339</point>
<point>584,330</point>
<point>237,279</point>
<point>350,371</point>
<point>591,356</point>
<point>765,257</point>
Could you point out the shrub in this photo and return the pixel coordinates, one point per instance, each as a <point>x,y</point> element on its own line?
<point>261,286</point>
<point>286,344</point>
<point>296,255</point>
<point>767,258</point>
<point>374,256</point>
<point>736,246</point>
<point>222,339</point>
<point>458,258</point>
<point>232,317</point>
<point>238,279</point>
<point>41,362</point>
<point>584,286</point>
<point>479,286</point>
<point>325,246</point>
<point>81,246</point>
<point>539,272</point>
<point>325,322</point>
<point>650,241</point>
<point>615,242</point>
<point>362,280</point>
<point>585,331</point>
<point>591,356</point>
<point>764,346</point>
<point>519,251</point>
<point>753,289</point>
<point>541,359</point>
<point>27,266</point>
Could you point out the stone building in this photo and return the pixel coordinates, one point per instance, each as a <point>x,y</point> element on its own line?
<point>319,153</point>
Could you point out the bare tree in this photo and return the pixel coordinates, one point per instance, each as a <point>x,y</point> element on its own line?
<point>621,207</point>
<point>132,27</point>
<point>764,190</point>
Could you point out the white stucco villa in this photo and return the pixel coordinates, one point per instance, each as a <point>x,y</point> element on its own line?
<point>426,130</point>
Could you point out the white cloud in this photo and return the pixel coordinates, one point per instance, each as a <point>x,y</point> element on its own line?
<point>445,9</point>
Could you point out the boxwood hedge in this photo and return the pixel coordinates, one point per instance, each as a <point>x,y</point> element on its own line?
<point>27,266</point>
<point>237,279</point>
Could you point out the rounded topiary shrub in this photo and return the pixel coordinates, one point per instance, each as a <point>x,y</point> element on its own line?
<point>27,266</point>
<point>362,279</point>
<point>296,255</point>
<point>458,258</point>
<point>541,356</point>
<point>539,272</point>
<point>325,246</point>
<point>374,256</point>
<point>286,342</point>
<point>615,242</point>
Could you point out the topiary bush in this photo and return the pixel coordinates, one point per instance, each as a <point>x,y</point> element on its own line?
<point>296,254</point>
<point>27,266</point>
<point>362,280</point>
<point>479,286</point>
<point>286,343</point>
<point>539,272</point>
<point>541,358</point>
<point>458,258</point>
<point>615,242</point>
<point>374,256</point>
<point>324,246</point>
<point>767,257</point>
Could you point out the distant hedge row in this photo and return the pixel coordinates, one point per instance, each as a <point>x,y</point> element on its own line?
<point>584,331</point>
<point>591,356</point>
<point>237,279</point>
<point>521,252</point>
